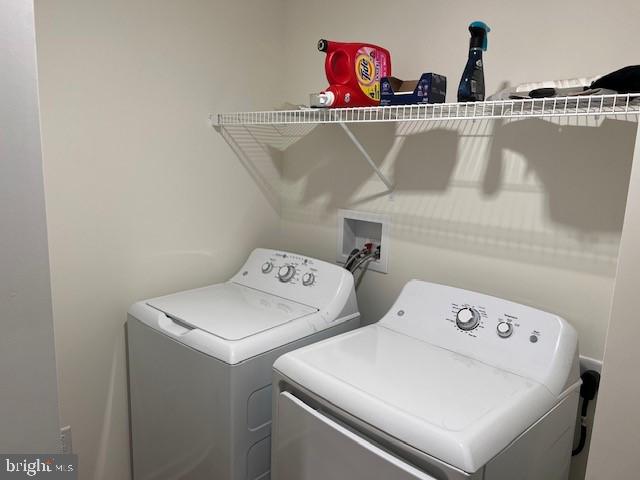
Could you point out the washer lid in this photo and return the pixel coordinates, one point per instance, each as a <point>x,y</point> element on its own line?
<point>230,311</point>
<point>449,406</point>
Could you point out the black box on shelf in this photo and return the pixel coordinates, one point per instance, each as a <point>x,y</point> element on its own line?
<point>430,88</point>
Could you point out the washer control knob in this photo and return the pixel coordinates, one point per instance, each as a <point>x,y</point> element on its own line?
<point>286,273</point>
<point>308,279</point>
<point>267,267</point>
<point>467,318</point>
<point>504,329</point>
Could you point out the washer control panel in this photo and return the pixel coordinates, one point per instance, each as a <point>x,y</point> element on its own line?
<point>289,275</point>
<point>287,267</point>
<point>498,332</point>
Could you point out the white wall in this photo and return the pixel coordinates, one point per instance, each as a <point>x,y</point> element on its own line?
<point>143,197</point>
<point>29,399</point>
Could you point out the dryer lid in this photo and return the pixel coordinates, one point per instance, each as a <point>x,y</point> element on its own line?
<point>229,310</point>
<point>447,405</point>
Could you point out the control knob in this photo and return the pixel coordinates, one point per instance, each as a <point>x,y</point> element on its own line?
<point>504,329</point>
<point>308,279</point>
<point>267,267</point>
<point>286,273</point>
<point>467,318</point>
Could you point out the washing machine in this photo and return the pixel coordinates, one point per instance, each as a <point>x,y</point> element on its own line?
<point>200,364</point>
<point>449,385</point>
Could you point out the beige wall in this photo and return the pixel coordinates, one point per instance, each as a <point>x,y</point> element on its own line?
<point>143,197</point>
<point>616,435</point>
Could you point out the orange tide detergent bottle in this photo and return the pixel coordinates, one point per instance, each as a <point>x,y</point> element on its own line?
<point>354,71</point>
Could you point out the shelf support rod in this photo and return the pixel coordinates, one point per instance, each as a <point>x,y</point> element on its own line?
<point>367,157</point>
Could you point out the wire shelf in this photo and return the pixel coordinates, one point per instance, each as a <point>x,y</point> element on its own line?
<point>592,105</point>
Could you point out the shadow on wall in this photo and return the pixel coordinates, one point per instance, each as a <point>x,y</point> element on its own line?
<point>256,148</point>
<point>533,190</point>
<point>324,164</point>
<point>584,171</point>
<point>329,166</point>
<point>427,161</point>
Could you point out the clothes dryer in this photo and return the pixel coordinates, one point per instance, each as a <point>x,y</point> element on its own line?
<point>449,385</point>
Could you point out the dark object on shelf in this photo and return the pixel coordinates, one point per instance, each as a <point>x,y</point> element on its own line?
<point>471,88</point>
<point>430,88</point>
<point>625,80</point>
<point>542,93</point>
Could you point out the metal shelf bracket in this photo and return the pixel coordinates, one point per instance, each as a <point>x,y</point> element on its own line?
<point>367,157</point>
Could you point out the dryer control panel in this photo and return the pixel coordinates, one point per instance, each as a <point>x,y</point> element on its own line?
<point>517,338</point>
<point>303,279</point>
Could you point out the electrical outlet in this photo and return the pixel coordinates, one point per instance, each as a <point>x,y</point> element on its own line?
<point>65,438</point>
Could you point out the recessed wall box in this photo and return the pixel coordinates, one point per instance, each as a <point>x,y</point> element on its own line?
<point>357,228</point>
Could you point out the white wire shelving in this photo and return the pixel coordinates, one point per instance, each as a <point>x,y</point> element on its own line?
<point>587,105</point>
<point>577,106</point>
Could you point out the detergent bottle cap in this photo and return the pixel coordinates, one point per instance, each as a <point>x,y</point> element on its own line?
<point>323,45</point>
<point>322,99</point>
<point>479,37</point>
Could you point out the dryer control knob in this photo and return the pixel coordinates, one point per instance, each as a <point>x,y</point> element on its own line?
<point>267,267</point>
<point>286,273</point>
<point>504,329</point>
<point>308,279</point>
<point>467,318</point>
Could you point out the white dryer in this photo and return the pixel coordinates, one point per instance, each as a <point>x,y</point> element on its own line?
<point>200,364</point>
<point>450,384</point>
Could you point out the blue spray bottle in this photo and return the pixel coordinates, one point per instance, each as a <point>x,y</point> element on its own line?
<point>471,87</point>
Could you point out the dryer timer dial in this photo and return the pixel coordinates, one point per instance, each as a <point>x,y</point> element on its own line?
<point>467,318</point>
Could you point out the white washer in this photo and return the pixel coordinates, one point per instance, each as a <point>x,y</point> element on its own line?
<point>450,384</point>
<point>200,364</point>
